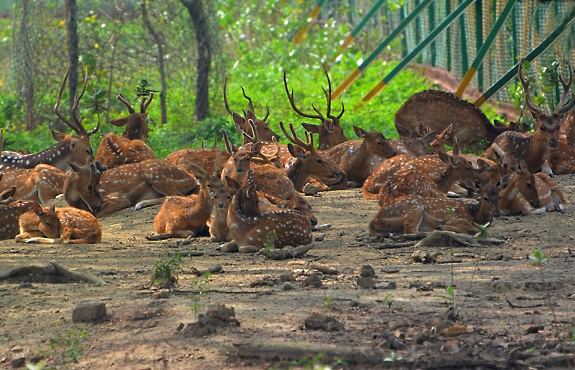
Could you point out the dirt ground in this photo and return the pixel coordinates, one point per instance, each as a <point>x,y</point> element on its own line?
<point>283,319</point>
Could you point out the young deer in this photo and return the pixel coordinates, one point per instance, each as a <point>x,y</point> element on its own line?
<point>68,149</point>
<point>260,127</point>
<point>40,184</point>
<point>66,225</point>
<point>115,150</point>
<point>359,158</point>
<point>82,187</point>
<point>535,148</point>
<point>183,217</point>
<point>329,131</point>
<point>218,224</point>
<point>10,210</point>
<point>250,228</point>
<point>413,214</point>
<point>413,142</point>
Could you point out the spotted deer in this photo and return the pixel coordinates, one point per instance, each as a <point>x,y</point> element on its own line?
<point>10,210</point>
<point>527,194</point>
<point>562,160</point>
<point>82,187</point>
<point>359,158</point>
<point>68,149</point>
<point>251,229</point>
<point>52,225</point>
<point>262,129</point>
<point>115,150</point>
<point>329,131</point>
<point>203,157</point>
<point>413,214</point>
<point>534,148</point>
<point>413,142</point>
<point>186,216</point>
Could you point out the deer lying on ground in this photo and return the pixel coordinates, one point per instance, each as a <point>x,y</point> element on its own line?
<point>82,187</point>
<point>534,148</point>
<point>359,158</point>
<point>115,150</point>
<point>412,214</point>
<point>413,142</point>
<point>10,210</point>
<point>218,225</point>
<point>183,217</point>
<point>52,225</point>
<point>251,229</point>
<point>562,159</point>
<point>329,131</point>
<point>68,149</point>
<point>525,193</point>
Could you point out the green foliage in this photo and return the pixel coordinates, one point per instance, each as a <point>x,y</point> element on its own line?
<point>144,89</point>
<point>389,302</point>
<point>64,349</point>
<point>166,269</point>
<point>318,362</point>
<point>202,285</point>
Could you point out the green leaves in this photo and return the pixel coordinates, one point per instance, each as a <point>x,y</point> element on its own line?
<point>538,258</point>
<point>144,89</point>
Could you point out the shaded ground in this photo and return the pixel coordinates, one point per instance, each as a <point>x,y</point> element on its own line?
<point>505,319</point>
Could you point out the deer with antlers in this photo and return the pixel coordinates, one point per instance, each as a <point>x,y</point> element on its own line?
<point>412,214</point>
<point>68,149</point>
<point>329,130</point>
<point>562,160</point>
<point>50,225</point>
<point>534,148</point>
<point>250,228</point>
<point>115,150</point>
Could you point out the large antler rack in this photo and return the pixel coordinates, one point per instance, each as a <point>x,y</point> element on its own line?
<point>77,125</point>
<point>307,145</point>
<point>565,105</point>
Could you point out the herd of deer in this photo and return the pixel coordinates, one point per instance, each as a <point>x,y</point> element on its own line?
<point>251,195</point>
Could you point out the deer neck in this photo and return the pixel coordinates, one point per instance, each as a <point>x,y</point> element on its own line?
<point>507,196</point>
<point>56,156</point>
<point>481,213</point>
<point>297,175</point>
<point>447,179</point>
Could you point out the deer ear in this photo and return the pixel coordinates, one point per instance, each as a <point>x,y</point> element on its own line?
<point>118,122</point>
<point>296,151</point>
<point>232,184</point>
<point>256,148</point>
<point>359,132</point>
<point>310,127</point>
<point>74,167</point>
<point>239,122</point>
<point>445,158</point>
<point>38,209</point>
<point>59,136</point>
<point>52,208</point>
<point>402,131</point>
<point>74,144</point>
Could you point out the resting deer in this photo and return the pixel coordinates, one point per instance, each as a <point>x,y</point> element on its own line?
<point>52,225</point>
<point>115,150</point>
<point>82,187</point>
<point>413,142</point>
<point>68,149</point>
<point>183,217</point>
<point>562,160</point>
<point>260,126</point>
<point>329,131</point>
<point>10,210</point>
<point>359,158</point>
<point>250,228</point>
<point>534,148</point>
<point>413,214</point>
<point>218,225</point>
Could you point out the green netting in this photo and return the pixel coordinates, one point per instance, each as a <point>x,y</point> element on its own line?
<point>530,22</point>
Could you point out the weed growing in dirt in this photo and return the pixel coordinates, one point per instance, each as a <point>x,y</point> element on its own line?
<point>166,269</point>
<point>392,357</point>
<point>269,242</point>
<point>202,285</point>
<point>388,300</point>
<point>537,259</point>
<point>66,348</point>
<point>327,303</point>
<point>317,363</point>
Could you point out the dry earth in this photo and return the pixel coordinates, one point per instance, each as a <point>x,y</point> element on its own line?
<point>504,303</point>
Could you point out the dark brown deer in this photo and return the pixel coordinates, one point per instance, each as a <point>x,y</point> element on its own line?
<point>52,225</point>
<point>10,210</point>
<point>415,142</point>
<point>438,109</point>
<point>115,150</point>
<point>262,129</point>
<point>359,158</point>
<point>251,229</point>
<point>329,130</point>
<point>562,159</point>
<point>68,149</point>
<point>534,148</point>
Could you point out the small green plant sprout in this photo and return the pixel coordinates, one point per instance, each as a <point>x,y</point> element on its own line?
<point>538,258</point>
<point>144,89</point>
<point>166,269</point>
<point>482,233</point>
<point>64,349</point>
<point>269,242</point>
<point>452,309</point>
<point>327,303</point>
<point>392,357</point>
<point>202,285</point>
<point>318,362</point>
<point>388,300</point>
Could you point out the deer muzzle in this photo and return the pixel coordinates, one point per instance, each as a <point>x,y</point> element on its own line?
<point>553,143</point>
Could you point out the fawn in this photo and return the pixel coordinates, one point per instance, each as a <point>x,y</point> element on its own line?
<point>66,225</point>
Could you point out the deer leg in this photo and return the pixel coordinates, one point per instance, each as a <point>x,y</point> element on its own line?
<point>23,237</point>
<point>230,246</point>
<point>41,240</point>
<point>148,203</point>
<point>248,249</point>
<point>113,203</point>
<point>459,225</point>
<point>413,219</point>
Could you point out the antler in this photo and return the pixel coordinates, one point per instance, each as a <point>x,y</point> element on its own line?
<point>231,148</point>
<point>125,101</point>
<point>291,100</point>
<point>77,125</point>
<point>308,145</point>
<point>328,98</point>
<point>564,106</point>
<point>226,96</point>
<point>145,103</point>
<point>535,110</point>
<point>253,138</point>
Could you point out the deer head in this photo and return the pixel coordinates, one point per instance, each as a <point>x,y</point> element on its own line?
<point>136,123</point>
<point>330,131</point>
<point>82,187</point>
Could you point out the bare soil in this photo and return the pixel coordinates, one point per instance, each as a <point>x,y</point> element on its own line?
<point>510,313</point>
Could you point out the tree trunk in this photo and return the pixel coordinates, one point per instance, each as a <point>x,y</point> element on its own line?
<point>71,10</point>
<point>161,60</point>
<point>28,69</point>
<point>198,15</point>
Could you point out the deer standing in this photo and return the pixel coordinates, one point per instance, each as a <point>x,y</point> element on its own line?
<point>534,148</point>
<point>52,225</point>
<point>251,229</point>
<point>413,214</point>
<point>115,150</point>
<point>329,131</point>
<point>68,149</point>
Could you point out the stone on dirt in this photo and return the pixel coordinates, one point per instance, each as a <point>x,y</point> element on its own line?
<point>88,312</point>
